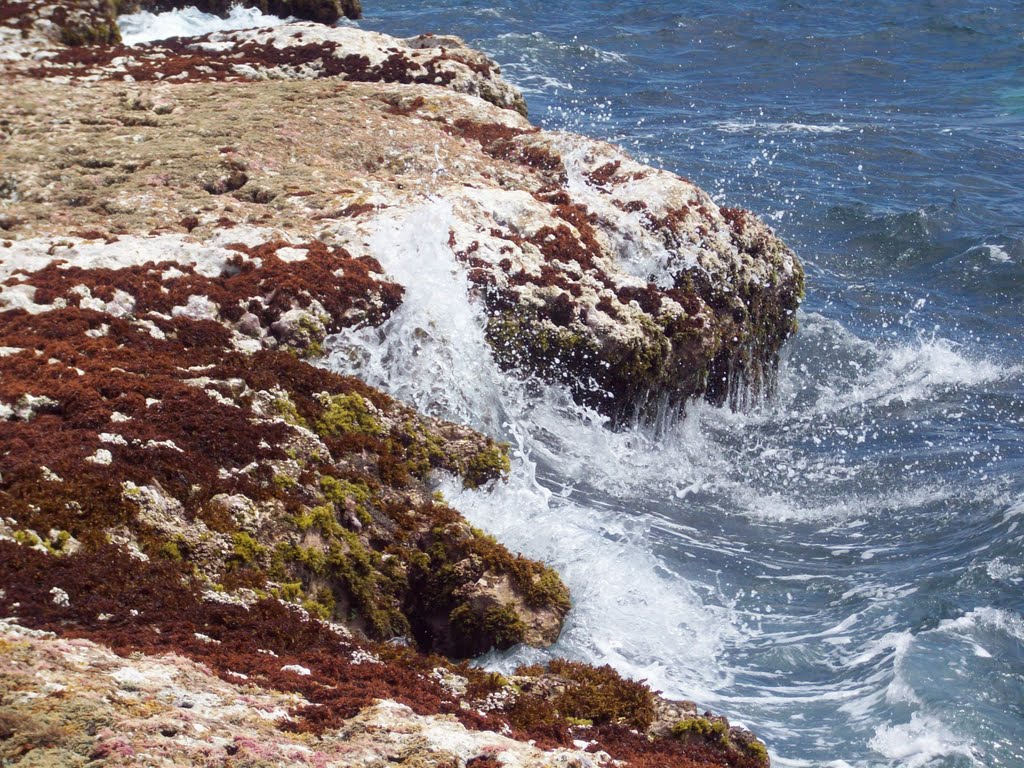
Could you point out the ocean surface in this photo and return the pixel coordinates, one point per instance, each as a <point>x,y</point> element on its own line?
<point>841,569</point>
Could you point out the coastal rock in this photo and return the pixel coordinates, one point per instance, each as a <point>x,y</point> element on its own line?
<point>26,26</point>
<point>626,284</point>
<point>218,450</point>
<point>185,226</point>
<point>299,51</point>
<point>200,696</point>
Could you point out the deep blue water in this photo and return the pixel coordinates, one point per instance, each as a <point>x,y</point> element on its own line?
<point>841,569</point>
<point>848,561</point>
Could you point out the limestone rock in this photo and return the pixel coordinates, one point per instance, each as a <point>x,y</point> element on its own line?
<point>627,284</point>
<point>176,477</point>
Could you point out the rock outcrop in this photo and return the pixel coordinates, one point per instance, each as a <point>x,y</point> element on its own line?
<point>214,447</point>
<point>182,226</point>
<point>627,284</point>
<point>317,700</point>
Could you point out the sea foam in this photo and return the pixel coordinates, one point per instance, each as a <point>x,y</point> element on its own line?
<point>145,27</point>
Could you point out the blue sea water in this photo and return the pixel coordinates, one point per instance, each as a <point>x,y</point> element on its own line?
<point>841,569</point>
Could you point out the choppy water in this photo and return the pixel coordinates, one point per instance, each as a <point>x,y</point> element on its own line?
<point>841,570</point>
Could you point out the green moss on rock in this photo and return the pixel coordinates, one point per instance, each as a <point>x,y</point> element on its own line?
<point>285,408</point>
<point>756,750</point>
<point>100,33</point>
<point>171,551</point>
<point>715,731</point>
<point>320,518</point>
<point>500,625</point>
<point>486,465</point>
<point>346,414</point>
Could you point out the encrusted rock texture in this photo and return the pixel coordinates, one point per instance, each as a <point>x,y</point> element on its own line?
<point>215,551</point>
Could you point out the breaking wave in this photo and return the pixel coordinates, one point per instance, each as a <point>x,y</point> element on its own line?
<point>146,27</point>
<point>839,568</point>
<point>762,562</point>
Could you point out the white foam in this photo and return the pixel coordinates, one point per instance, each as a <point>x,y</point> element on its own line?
<point>912,372</point>
<point>432,352</point>
<point>533,61</point>
<point>857,373</point>
<point>535,83</point>
<point>145,27</point>
<point>926,737</point>
<point>997,253</point>
<point>629,611</point>
<point>897,642</point>
<point>1016,510</point>
<point>989,619</point>
<point>1000,570</point>
<point>755,126</point>
<point>540,41</point>
<point>437,359</point>
<point>917,743</point>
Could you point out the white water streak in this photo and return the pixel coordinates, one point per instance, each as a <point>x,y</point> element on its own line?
<point>145,27</point>
<point>432,354</point>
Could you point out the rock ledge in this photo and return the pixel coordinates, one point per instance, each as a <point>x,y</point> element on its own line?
<point>238,553</point>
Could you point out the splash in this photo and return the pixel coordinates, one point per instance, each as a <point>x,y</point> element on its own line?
<point>146,27</point>
<point>747,560</point>
<point>920,742</point>
<point>433,354</point>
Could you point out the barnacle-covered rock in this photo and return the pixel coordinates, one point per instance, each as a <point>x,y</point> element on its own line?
<point>628,285</point>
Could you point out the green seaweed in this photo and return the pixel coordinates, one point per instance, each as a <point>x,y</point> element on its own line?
<point>338,491</point>
<point>345,414</point>
<point>486,465</point>
<point>715,731</point>
<point>245,549</point>
<point>502,624</point>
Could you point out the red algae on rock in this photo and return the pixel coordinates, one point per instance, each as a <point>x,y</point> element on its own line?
<point>225,552</point>
<point>134,606</point>
<point>204,441</point>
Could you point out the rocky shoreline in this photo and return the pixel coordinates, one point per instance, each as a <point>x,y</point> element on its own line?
<point>213,551</point>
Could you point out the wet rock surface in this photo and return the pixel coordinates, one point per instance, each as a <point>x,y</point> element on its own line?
<point>182,225</point>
